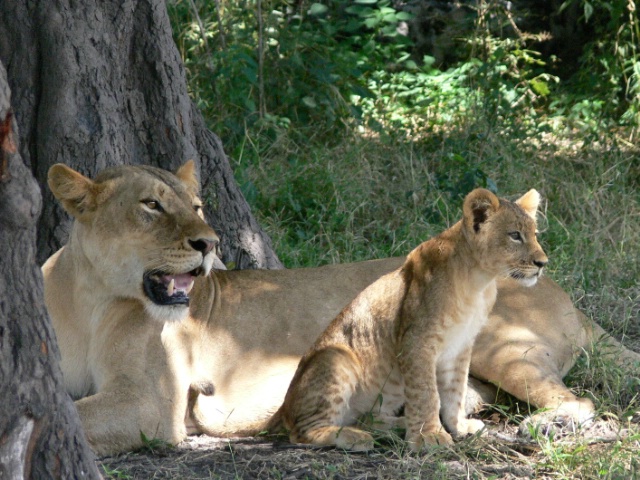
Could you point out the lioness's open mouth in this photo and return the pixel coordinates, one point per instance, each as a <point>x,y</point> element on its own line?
<point>170,289</point>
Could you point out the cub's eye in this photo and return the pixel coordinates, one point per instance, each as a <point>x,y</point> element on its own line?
<point>152,204</point>
<point>197,208</point>
<point>515,236</point>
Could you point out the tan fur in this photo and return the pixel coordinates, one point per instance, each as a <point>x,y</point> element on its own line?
<point>232,357</point>
<point>406,340</point>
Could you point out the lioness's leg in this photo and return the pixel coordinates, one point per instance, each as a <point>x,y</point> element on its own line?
<point>141,388</point>
<point>539,384</point>
<point>114,421</point>
<point>316,408</point>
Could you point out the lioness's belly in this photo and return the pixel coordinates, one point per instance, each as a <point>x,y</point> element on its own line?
<point>258,332</point>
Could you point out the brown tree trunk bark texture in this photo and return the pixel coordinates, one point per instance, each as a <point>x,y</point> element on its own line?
<point>40,432</point>
<point>100,83</point>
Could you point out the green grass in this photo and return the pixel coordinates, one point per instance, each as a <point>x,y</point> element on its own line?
<point>371,196</point>
<point>330,189</point>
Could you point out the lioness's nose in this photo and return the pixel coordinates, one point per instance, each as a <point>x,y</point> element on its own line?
<point>204,245</point>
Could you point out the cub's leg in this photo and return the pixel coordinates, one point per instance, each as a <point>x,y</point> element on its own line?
<point>452,387</point>
<point>317,409</point>
<point>422,407</point>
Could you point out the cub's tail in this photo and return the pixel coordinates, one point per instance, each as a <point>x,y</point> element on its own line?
<point>275,425</point>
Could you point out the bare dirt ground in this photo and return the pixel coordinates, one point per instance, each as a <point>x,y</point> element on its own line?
<point>499,455</point>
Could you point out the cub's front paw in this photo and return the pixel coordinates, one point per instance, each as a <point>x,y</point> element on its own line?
<point>348,438</point>
<point>423,439</point>
<point>354,439</point>
<point>470,426</point>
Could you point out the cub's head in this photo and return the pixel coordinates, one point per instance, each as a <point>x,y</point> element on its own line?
<point>139,233</point>
<point>503,234</point>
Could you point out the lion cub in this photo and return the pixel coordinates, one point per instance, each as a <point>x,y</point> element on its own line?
<point>406,339</point>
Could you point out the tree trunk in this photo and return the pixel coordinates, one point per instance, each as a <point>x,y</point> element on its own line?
<point>40,432</point>
<point>100,83</point>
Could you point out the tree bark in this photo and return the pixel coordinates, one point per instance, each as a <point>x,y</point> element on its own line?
<point>101,83</point>
<point>40,432</point>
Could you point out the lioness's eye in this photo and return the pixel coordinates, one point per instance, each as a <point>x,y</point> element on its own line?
<point>515,236</point>
<point>197,208</point>
<point>152,205</point>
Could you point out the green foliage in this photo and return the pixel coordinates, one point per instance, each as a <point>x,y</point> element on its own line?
<point>114,473</point>
<point>610,64</point>
<point>357,149</point>
<point>262,66</point>
<point>153,445</point>
<point>265,68</point>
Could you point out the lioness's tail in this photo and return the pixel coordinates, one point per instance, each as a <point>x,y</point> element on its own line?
<point>608,345</point>
<point>201,421</point>
<point>267,426</point>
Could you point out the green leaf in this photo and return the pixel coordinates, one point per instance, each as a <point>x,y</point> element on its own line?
<point>540,87</point>
<point>361,11</point>
<point>354,9</point>
<point>410,64</point>
<point>371,22</point>
<point>317,9</point>
<point>403,16</point>
<point>309,102</point>
<point>366,2</point>
<point>588,11</point>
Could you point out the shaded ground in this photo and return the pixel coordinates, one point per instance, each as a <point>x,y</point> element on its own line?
<point>500,455</point>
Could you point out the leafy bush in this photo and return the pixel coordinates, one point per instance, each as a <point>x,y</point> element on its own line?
<point>606,89</point>
<point>259,66</point>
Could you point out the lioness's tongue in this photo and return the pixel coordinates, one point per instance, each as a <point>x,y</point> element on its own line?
<point>181,283</point>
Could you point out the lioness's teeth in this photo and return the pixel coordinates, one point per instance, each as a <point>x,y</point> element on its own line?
<point>189,287</point>
<point>171,287</point>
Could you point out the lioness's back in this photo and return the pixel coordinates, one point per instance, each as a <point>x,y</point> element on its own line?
<point>315,294</point>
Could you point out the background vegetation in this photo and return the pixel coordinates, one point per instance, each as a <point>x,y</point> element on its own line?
<point>351,143</point>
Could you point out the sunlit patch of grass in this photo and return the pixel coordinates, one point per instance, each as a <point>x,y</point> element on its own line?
<point>374,197</point>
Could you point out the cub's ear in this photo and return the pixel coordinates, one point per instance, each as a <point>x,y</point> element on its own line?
<point>529,202</point>
<point>187,175</point>
<point>76,193</point>
<point>478,205</point>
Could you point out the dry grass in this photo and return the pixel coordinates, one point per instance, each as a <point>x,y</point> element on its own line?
<point>500,455</point>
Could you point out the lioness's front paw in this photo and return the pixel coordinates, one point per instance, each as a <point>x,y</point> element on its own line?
<point>552,423</point>
<point>566,419</point>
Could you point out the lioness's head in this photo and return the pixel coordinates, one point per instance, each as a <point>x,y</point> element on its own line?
<point>141,232</point>
<point>503,233</point>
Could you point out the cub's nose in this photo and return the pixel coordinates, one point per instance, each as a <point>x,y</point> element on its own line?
<point>541,263</point>
<point>204,245</point>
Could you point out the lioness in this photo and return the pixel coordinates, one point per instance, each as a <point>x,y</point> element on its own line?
<point>405,341</point>
<point>130,355</point>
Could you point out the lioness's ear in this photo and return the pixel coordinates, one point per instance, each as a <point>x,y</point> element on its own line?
<point>76,192</point>
<point>187,174</point>
<point>478,206</point>
<point>529,202</point>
